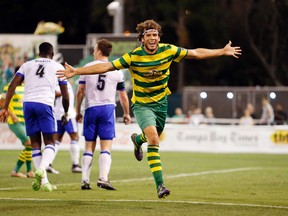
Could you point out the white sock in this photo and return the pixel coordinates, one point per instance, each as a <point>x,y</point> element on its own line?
<point>89,170</point>
<point>104,164</point>
<point>44,180</point>
<point>75,152</point>
<point>86,165</point>
<point>48,156</point>
<point>56,147</point>
<point>57,144</point>
<point>36,157</point>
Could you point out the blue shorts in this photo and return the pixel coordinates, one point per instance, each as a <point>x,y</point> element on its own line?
<point>39,117</point>
<point>99,121</point>
<point>71,126</point>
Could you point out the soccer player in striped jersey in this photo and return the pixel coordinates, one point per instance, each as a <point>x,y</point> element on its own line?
<point>16,124</point>
<point>149,65</point>
<point>99,119</point>
<point>38,103</point>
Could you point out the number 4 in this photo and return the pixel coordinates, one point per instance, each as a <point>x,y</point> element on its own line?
<point>40,71</point>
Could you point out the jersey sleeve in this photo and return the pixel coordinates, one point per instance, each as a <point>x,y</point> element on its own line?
<point>120,86</point>
<point>82,80</point>
<point>20,71</point>
<point>120,81</point>
<point>122,62</point>
<point>180,53</point>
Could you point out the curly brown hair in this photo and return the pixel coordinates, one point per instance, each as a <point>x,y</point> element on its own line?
<point>148,24</point>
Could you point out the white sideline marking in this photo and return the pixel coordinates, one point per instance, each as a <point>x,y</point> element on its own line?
<point>193,174</point>
<point>153,201</point>
<point>171,176</point>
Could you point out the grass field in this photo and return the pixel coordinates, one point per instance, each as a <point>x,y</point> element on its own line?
<point>200,184</point>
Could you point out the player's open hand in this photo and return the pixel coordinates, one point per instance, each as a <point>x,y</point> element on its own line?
<point>67,73</point>
<point>232,51</point>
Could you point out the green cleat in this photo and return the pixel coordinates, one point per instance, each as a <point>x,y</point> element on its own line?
<point>162,191</point>
<point>138,152</point>
<point>36,185</point>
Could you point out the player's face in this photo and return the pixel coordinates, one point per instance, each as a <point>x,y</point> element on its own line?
<point>150,41</point>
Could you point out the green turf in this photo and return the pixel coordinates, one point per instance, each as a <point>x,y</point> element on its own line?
<point>200,184</point>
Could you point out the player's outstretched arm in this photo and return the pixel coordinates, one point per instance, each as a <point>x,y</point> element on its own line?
<point>93,69</point>
<point>203,53</point>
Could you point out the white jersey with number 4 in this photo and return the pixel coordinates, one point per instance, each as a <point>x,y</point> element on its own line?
<point>40,80</point>
<point>100,89</point>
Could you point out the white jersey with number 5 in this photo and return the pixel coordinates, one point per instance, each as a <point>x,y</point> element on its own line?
<point>100,89</point>
<point>40,80</point>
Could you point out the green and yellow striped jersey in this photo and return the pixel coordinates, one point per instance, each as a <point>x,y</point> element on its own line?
<point>16,103</point>
<point>150,72</point>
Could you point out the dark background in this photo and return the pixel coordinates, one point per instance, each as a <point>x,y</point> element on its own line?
<point>259,27</point>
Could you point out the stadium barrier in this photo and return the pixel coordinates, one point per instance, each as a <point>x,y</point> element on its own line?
<point>184,137</point>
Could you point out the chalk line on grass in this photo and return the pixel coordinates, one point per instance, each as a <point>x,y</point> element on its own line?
<point>151,201</point>
<point>171,176</point>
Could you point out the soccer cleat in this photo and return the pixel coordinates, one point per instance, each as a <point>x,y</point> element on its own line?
<point>105,184</point>
<point>30,174</point>
<point>17,174</point>
<point>85,186</point>
<point>36,185</point>
<point>162,191</point>
<point>138,152</point>
<point>48,187</point>
<point>76,169</point>
<point>51,169</point>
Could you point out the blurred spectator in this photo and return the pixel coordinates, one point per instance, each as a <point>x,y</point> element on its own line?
<point>190,111</point>
<point>196,116</point>
<point>178,113</point>
<point>267,116</point>
<point>280,115</point>
<point>179,116</point>
<point>246,119</point>
<point>9,72</point>
<point>251,110</point>
<point>209,115</point>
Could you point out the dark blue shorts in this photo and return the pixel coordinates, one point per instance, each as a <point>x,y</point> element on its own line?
<point>71,127</point>
<point>39,117</point>
<point>99,121</point>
